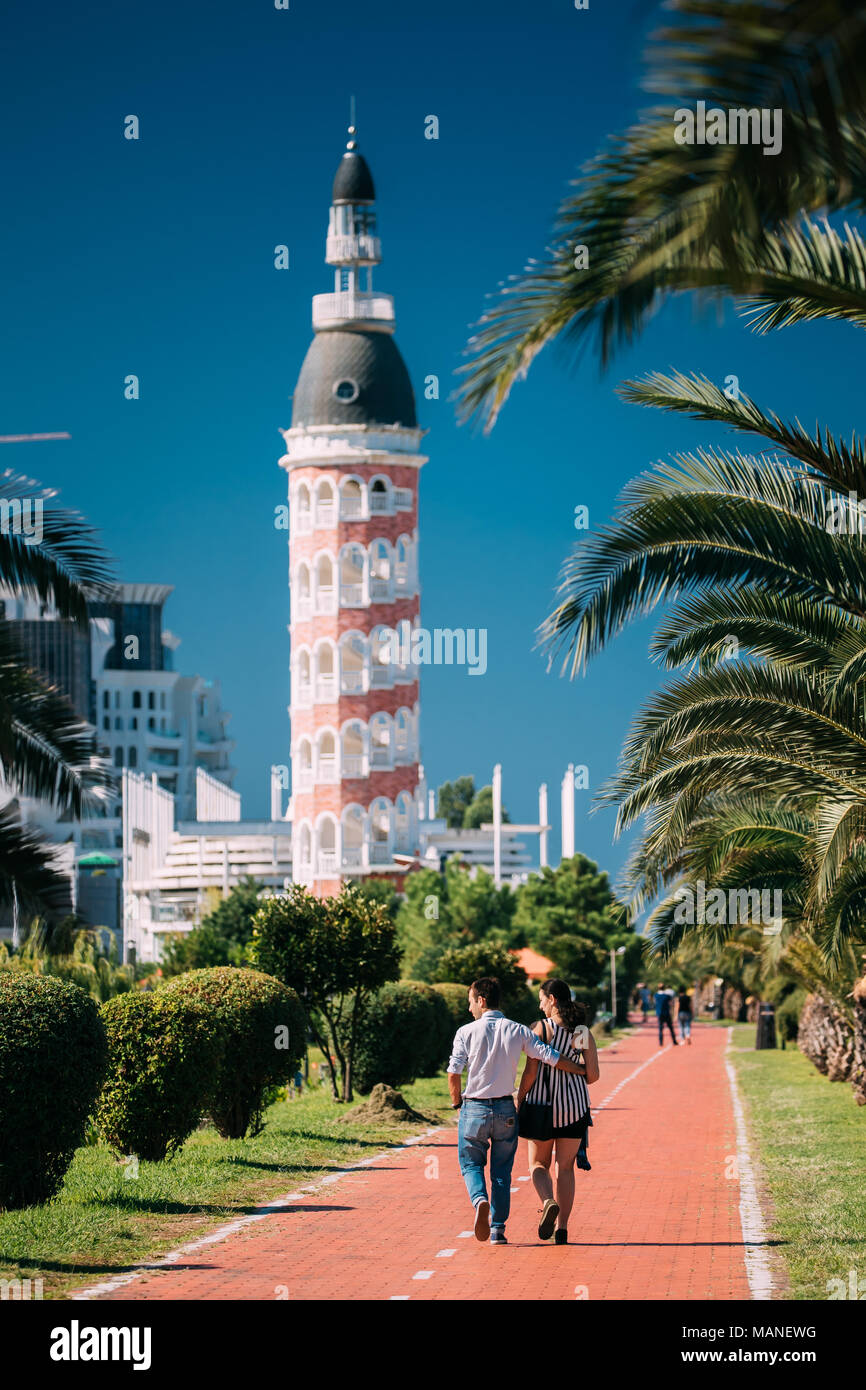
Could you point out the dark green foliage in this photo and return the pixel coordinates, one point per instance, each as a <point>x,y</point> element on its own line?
<point>52,1061</point>
<point>335,953</point>
<point>469,963</point>
<point>453,800</point>
<point>444,911</point>
<point>220,938</point>
<point>480,810</point>
<point>394,1042</point>
<point>263,1032</point>
<point>164,1054</point>
<point>788,1014</point>
<point>438,1044</point>
<point>455,997</point>
<point>380,890</point>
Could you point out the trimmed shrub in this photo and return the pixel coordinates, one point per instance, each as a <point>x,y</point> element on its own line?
<point>440,1037</point>
<point>263,1032</point>
<point>164,1053</point>
<point>394,1039</point>
<point>52,1061</point>
<point>458,1007</point>
<point>468,963</point>
<point>788,1014</point>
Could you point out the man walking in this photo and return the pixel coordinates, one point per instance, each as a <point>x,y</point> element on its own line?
<point>489,1050</point>
<point>664,1001</point>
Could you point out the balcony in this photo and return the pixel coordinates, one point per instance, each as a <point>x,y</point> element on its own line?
<point>352,856</point>
<point>327,863</point>
<point>351,507</point>
<point>380,756</point>
<point>403,498</point>
<point>352,682</point>
<point>326,601</point>
<point>303,522</point>
<point>353,765</point>
<point>163,760</point>
<point>305,777</point>
<point>360,250</point>
<point>304,694</point>
<point>330,310</point>
<point>171,736</point>
<point>326,512</point>
<point>380,589</point>
<point>380,502</point>
<point>380,677</point>
<point>326,689</point>
<point>303,608</point>
<point>380,853</point>
<point>352,595</point>
<point>327,769</point>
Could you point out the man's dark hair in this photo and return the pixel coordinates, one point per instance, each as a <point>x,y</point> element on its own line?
<point>488,989</point>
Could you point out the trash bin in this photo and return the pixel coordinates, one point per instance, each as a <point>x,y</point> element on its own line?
<point>766,1034</point>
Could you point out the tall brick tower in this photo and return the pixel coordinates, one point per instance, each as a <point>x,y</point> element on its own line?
<point>352,456</point>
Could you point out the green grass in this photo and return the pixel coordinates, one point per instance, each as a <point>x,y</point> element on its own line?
<point>102,1222</point>
<point>809,1136</point>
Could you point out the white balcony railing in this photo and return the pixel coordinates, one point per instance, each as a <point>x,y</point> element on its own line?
<point>380,756</point>
<point>380,502</point>
<point>379,852</point>
<point>329,310</point>
<point>326,688</point>
<point>304,694</point>
<point>303,608</point>
<point>327,863</point>
<point>351,506</point>
<point>305,776</point>
<point>352,595</point>
<point>342,250</point>
<point>353,765</point>
<point>380,677</point>
<point>325,512</point>
<point>303,523</point>
<point>326,600</point>
<point>352,682</point>
<point>327,771</point>
<point>352,856</point>
<point>380,589</point>
<point>403,498</point>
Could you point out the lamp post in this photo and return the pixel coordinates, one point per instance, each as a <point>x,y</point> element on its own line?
<point>614,952</point>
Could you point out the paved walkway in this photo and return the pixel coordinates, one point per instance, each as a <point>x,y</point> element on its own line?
<point>657,1217</point>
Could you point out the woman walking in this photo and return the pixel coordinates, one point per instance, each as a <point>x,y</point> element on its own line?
<point>684,1015</point>
<point>553,1106</point>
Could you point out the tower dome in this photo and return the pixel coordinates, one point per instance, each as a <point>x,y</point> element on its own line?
<point>353,182</point>
<point>353,378</point>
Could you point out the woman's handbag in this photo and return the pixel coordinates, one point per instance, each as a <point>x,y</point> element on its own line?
<point>535,1118</point>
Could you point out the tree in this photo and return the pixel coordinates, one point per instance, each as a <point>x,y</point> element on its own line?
<point>222,935</point>
<point>450,909</point>
<point>335,953</point>
<point>453,800</point>
<point>464,964</point>
<point>480,811</point>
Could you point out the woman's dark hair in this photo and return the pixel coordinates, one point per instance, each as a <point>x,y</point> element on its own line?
<point>571,1013</point>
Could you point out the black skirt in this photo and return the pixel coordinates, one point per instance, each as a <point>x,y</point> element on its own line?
<point>575,1131</point>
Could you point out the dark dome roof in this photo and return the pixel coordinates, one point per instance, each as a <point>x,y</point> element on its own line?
<point>371,363</point>
<point>353,182</point>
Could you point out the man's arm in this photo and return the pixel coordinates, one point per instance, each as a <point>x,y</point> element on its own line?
<point>456,1067</point>
<point>454,1087</point>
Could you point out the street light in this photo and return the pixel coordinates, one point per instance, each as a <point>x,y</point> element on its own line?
<point>614,952</point>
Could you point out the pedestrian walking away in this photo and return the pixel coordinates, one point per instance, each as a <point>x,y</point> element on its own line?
<point>684,1015</point>
<point>664,1002</point>
<point>488,1050</point>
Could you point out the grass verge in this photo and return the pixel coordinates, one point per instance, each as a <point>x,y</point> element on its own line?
<point>809,1137</point>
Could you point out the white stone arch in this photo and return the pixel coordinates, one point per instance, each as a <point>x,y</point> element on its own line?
<point>324,583</point>
<point>354,659</point>
<point>302,508</point>
<point>381,740</point>
<point>302,771</point>
<point>327,842</point>
<point>403,564</point>
<point>354,748</point>
<point>403,823</point>
<point>353,834</point>
<point>302,686</point>
<point>353,498</point>
<point>403,735</point>
<point>380,830</point>
<point>380,495</point>
<point>382,644</point>
<point>325,670</point>
<point>354,568</point>
<point>381,562</point>
<point>303,847</point>
<point>326,502</point>
<point>326,759</point>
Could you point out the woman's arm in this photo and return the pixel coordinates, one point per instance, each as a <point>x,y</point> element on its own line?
<point>590,1054</point>
<point>530,1071</point>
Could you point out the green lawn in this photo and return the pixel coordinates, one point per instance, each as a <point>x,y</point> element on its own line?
<point>101,1221</point>
<point>809,1136</point>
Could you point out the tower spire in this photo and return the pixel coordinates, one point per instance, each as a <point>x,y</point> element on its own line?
<point>353,248</point>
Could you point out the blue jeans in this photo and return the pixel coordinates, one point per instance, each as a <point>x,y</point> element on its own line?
<point>686,1025</point>
<point>493,1123</point>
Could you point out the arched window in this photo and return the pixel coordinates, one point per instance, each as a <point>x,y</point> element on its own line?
<point>401,736</point>
<point>132,757</point>
<point>380,571</point>
<point>353,760</point>
<point>303,605</point>
<point>326,598</point>
<point>353,650</point>
<point>118,757</point>
<point>352,566</point>
<point>326,758</point>
<point>351,500</point>
<point>303,509</point>
<point>403,563</point>
<point>305,763</point>
<point>380,496</point>
<point>326,679</point>
<point>326,512</point>
<point>383,640</point>
<point>403,823</point>
<point>304,692</point>
<point>327,836</point>
<point>305,846</point>
<point>380,831</point>
<point>380,741</point>
<point>353,837</point>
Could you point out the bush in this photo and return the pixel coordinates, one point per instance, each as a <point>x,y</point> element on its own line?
<point>262,1026</point>
<point>394,1039</point>
<point>468,963</point>
<point>439,1038</point>
<point>52,1061</point>
<point>458,1007</point>
<point>164,1052</point>
<point>788,1014</point>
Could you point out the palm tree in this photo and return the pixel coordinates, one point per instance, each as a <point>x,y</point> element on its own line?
<point>657,217</point>
<point>45,748</point>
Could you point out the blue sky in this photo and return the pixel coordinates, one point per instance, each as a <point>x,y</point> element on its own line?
<point>155,257</point>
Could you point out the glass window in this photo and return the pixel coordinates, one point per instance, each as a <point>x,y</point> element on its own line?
<point>118,757</point>
<point>151,700</point>
<point>106,699</point>
<point>133,757</point>
<point>136,699</point>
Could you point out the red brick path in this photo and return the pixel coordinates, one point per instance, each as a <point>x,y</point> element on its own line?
<point>655,1219</point>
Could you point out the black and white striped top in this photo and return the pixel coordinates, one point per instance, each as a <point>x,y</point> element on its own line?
<point>566,1090</point>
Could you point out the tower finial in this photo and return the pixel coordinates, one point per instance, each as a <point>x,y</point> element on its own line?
<point>352,144</point>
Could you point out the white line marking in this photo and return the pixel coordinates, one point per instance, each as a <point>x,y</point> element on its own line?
<point>515,1189</point>
<point>398,1298</point>
<point>464,1235</point>
<point>443,1254</point>
<point>626,1079</point>
<point>525,1178</point>
<point>222,1232</point>
<point>758,1271</point>
<point>423,1274</point>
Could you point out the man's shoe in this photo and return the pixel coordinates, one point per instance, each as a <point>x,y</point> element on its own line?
<point>549,1214</point>
<point>497,1236</point>
<point>560,1237</point>
<point>482,1221</point>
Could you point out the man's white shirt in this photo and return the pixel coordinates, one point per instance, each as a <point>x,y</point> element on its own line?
<point>489,1049</point>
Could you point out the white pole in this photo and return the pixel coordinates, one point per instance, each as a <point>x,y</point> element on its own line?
<point>568,813</point>
<point>276,795</point>
<point>431,804</point>
<point>613,983</point>
<point>497,824</point>
<point>542,820</point>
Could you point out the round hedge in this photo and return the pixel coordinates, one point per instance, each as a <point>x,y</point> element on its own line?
<point>438,1049</point>
<point>52,1061</point>
<point>455,997</point>
<point>164,1052</point>
<point>394,1040</point>
<point>263,1029</point>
